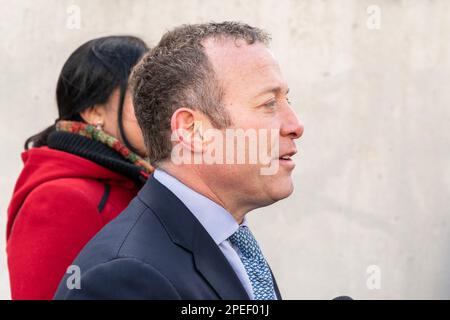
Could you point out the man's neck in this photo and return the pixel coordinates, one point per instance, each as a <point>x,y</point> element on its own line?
<point>192,178</point>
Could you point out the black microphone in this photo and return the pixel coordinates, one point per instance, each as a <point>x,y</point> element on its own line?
<point>343,298</point>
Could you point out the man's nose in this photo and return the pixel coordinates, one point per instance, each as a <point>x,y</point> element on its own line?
<point>291,125</point>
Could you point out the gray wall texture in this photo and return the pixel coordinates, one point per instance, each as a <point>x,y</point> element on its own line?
<point>370,216</point>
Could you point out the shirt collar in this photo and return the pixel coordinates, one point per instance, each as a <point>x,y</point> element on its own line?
<point>217,221</point>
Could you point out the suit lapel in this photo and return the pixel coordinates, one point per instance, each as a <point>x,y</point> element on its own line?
<point>277,291</point>
<point>185,230</point>
<point>212,264</point>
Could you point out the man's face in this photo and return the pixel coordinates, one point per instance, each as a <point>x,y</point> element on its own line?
<point>255,96</point>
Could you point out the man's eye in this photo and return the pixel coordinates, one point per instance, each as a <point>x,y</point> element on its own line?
<point>271,104</point>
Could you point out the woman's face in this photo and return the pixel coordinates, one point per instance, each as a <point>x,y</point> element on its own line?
<point>130,125</point>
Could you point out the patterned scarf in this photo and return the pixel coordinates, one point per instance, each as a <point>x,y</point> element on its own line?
<point>91,132</point>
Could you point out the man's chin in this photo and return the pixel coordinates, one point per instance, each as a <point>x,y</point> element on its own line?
<point>282,190</point>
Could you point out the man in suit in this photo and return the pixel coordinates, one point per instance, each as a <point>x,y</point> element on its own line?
<point>185,235</point>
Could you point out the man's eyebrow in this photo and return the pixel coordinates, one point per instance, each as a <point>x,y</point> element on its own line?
<point>273,89</point>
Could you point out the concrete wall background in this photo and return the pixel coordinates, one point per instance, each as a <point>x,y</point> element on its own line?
<point>373,173</point>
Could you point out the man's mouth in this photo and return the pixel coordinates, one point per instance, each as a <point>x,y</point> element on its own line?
<point>286,159</point>
<point>288,155</point>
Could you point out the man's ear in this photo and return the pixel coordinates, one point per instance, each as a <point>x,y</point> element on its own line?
<point>94,115</point>
<point>187,126</point>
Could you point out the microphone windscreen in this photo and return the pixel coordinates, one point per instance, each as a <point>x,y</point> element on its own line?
<point>343,298</point>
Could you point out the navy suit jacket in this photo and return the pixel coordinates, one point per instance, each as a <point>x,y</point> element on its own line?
<point>155,249</point>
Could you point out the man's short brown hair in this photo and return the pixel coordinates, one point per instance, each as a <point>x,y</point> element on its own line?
<point>177,73</point>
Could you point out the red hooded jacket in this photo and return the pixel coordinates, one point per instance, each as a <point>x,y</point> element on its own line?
<point>60,202</point>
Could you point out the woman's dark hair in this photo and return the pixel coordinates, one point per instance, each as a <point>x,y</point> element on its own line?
<point>90,75</point>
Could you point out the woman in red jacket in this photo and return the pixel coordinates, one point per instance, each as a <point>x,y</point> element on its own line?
<point>81,172</point>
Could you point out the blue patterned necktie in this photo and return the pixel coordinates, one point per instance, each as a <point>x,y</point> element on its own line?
<point>254,263</point>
